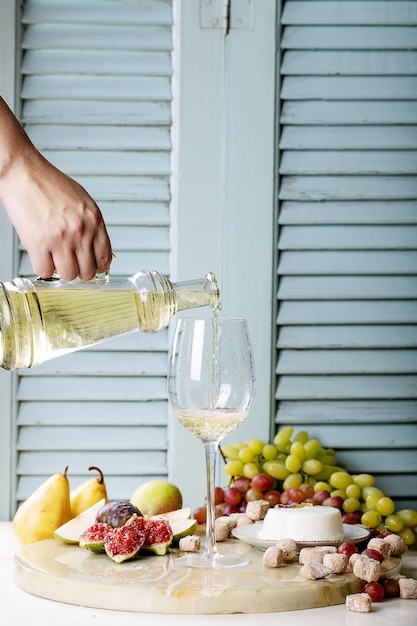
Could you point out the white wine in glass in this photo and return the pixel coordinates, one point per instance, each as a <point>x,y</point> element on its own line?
<point>211,384</point>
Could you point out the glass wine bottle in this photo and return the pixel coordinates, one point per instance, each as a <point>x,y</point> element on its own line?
<point>44,319</point>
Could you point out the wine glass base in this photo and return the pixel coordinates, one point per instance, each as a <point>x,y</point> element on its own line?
<point>211,561</point>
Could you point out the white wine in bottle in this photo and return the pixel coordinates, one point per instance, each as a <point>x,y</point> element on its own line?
<point>42,320</point>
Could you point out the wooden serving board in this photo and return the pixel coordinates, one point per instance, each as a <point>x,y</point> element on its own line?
<point>154,584</point>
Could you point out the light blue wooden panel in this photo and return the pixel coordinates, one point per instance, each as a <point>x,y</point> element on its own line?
<point>323,112</point>
<point>103,438</point>
<point>347,287</point>
<point>360,12</point>
<point>145,188</point>
<point>136,213</point>
<point>348,88</point>
<point>96,36</point>
<point>97,87</point>
<point>112,163</point>
<point>342,387</point>
<point>117,111</point>
<point>134,462</point>
<point>90,388</point>
<point>144,13</point>
<point>99,137</point>
<point>349,137</point>
<point>347,312</point>
<point>349,37</point>
<point>346,362</point>
<point>318,162</point>
<point>334,212</point>
<point>306,414</point>
<point>347,262</point>
<point>349,237</point>
<point>348,336</point>
<point>105,363</point>
<point>376,62</point>
<point>73,413</point>
<point>96,100</point>
<point>97,62</point>
<point>348,187</point>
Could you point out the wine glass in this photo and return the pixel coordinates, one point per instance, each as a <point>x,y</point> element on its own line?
<point>211,386</point>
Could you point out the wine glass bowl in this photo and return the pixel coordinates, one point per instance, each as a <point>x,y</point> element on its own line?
<point>211,386</point>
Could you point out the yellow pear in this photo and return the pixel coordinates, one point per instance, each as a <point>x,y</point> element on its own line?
<point>46,509</point>
<point>88,493</point>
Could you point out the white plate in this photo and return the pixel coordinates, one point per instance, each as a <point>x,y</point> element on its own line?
<point>250,534</point>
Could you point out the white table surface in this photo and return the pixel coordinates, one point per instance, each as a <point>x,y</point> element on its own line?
<point>17,607</point>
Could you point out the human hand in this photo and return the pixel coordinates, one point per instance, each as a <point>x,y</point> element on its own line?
<point>57,221</point>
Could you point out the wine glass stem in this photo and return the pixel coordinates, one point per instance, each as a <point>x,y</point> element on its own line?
<point>211,456</point>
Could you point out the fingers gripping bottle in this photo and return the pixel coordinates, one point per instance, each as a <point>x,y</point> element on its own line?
<point>44,319</point>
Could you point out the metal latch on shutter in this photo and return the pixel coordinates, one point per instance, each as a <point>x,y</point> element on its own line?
<point>226,14</point>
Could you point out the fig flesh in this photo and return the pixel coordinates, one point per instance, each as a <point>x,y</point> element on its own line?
<point>94,537</point>
<point>124,543</point>
<point>158,536</point>
<point>117,512</point>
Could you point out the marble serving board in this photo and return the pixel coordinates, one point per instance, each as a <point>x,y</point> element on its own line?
<point>154,584</point>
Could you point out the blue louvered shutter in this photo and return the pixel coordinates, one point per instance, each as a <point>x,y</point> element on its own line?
<point>96,100</point>
<point>347,308</point>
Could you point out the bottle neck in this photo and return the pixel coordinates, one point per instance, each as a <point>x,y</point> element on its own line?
<point>197,293</point>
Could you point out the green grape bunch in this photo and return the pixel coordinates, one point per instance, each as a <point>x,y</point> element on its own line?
<point>301,470</point>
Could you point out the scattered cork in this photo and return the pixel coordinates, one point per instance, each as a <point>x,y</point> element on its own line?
<point>359,602</point>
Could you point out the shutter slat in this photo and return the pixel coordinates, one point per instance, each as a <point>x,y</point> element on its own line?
<point>309,414</point>
<point>340,387</point>
<point>60,137</point>
<point>84,112</point>
<point>370,62</point>
<point>348,336</point>
<point>96,62</point>
<point>347,12</point>
<point>367,262</point>
<point>347,287</point>
<point>348,162</point>
<point>348,312</point>
<point>363,112</point>
<point>103,364</point>
<point>114,162</point>
<point>357,237</point>
<point>369,212</point>
<point>104,438</point>
<point>95,413</point>
<point>134,462</point>
<point>98,37</point>
<point>96,87</point>
<point>348,187</point>
<point>349,138</point>
<point>349,37</point>
<point>90,388</point>
<point>346,362</point>
<point>127,188</point>
<point>376,88</point>
<point>157,12</point>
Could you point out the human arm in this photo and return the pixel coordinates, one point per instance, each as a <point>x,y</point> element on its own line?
<point>57,221</point>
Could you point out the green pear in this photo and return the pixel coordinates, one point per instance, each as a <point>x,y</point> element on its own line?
<point>88,493</point>
<point>47,508</point>
<point>182,528</point>
<point>71,531</point>
<point>156,496</point>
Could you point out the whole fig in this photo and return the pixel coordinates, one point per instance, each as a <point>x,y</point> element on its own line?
<point>117,512</point>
